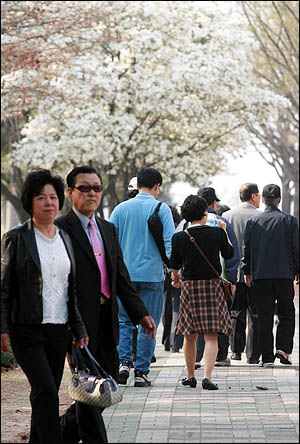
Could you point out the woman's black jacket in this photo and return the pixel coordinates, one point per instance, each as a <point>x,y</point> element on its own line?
<point>22,284</point>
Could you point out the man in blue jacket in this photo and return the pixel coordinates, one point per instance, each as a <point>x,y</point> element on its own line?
<point>270,264</point>
<point>144,263</point>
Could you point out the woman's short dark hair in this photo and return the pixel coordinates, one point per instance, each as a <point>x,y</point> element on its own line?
<point>84,169</point>
<point>148,177</point>
<point>35,182</point>
<point>193,208</point>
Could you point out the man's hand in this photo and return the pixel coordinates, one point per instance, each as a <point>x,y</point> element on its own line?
<point>5,342</point>
<point>248,279</point>
<point>233,289</point>
<point>79,342</point>
<point>148,325</point>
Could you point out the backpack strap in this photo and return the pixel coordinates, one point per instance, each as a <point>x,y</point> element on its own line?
<point>157,208</point>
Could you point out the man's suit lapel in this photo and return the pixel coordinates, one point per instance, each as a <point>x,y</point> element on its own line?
<point>30,242</point>
<point>78,233</point>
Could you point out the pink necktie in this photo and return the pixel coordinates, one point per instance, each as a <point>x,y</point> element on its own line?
<point>100,258</point>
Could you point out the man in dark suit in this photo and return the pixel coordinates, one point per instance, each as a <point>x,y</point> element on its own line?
<point>96,292</point>
<point>271,263</point>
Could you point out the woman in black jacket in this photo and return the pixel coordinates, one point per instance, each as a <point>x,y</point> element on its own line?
<point>38,300</point>
<point>203,308</point>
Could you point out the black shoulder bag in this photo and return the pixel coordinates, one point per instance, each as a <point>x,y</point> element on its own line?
<point>156,229</point>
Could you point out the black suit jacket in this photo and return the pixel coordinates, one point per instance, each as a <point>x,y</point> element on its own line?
<point>21,281</point>
<point>88,281</point>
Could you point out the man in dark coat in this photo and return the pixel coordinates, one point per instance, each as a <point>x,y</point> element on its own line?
<point>270,264</point>
<point>97,305</point>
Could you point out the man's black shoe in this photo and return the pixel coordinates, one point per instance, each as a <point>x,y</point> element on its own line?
<point>236,356</point>
<point>252,361</point>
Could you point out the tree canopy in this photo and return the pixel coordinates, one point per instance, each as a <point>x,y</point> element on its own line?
<point>275,26</point>
<point>172,87</point>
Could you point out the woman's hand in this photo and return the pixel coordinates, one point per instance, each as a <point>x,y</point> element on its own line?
<point>79,342</point>
<point>5,342</point>
<point>176,280</point>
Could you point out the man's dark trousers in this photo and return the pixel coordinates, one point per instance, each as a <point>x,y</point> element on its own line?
<point>83,421</point>
<point>266,292</point>
<point>244,302</point>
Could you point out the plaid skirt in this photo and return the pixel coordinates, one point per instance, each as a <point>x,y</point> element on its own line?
<point>203,308</point>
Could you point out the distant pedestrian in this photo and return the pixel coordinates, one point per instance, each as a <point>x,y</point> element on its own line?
<point>170,339</point>
<point>38,300</point>
<point>243,309</point>
<point>145,266</point>
<point>132,188</point>
<point>203,308</point>
<point>270,264</point>
<point>221,208</point>
<point>230,265</point>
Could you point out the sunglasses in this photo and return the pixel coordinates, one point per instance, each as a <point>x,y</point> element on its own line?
<point>87,188</point>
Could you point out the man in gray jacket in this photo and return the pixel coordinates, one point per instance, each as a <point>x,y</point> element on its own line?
<point>243,302</point>
<point>271,263</point>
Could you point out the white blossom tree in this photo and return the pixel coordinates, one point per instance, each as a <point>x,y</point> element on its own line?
<point>172,88</point>
<point>38,37</point>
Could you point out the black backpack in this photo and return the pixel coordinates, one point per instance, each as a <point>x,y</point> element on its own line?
<point>156,229</point>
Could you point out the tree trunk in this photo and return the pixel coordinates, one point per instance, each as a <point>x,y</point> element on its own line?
<point>15,201</point>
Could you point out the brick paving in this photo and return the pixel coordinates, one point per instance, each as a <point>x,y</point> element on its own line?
<point>168,412</point>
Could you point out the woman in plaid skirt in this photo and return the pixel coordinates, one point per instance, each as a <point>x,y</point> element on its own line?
<point>203,308</point>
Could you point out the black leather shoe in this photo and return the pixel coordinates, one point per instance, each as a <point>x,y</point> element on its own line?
<point>208,385</point>
<point>252,361</point>
<point>153,359</point>
<point>192,382</point>
<point>236,356</point>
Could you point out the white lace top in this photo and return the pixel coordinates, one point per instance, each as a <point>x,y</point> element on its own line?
<point>56,267</point>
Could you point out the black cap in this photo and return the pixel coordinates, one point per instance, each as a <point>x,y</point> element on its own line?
<point>208,194</point>
<point>271,190</point>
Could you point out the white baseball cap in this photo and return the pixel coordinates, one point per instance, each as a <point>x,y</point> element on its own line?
<point>132,184</point>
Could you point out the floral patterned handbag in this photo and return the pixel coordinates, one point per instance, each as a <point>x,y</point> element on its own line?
<point>100,390</point>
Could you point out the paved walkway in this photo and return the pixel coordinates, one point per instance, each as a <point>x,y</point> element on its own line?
<point>238,412</point>
<point>168,412</point>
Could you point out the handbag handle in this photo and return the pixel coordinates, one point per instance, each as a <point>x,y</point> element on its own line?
<point>192,239</point>
<point>77,356</point>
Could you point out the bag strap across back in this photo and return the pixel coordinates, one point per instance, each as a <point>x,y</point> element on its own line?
<point>192,239</point>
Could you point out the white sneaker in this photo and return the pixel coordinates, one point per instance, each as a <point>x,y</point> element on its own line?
<point>266,364</point>
<point>124,370</point>
<point>284,357</point>
<point>141,380</point>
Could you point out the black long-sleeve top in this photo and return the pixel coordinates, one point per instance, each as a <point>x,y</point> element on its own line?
<point>211,240</point>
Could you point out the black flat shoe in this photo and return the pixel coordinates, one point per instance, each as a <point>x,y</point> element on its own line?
<point>192,382</point>
<point>208,385</point>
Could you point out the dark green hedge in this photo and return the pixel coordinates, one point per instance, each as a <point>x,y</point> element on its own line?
<point>7,359</point>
